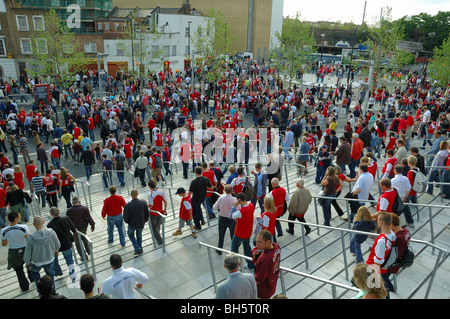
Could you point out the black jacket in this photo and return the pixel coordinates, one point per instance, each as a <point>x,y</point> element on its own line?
<point>366,137</point>
<point>87,157</point>
<point>64,229</point>
<point>136,213</point>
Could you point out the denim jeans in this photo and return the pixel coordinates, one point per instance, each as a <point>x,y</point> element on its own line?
<point>116,221</point>
<point>355,248</point>
<point>48,269</point>
<point>326,208</point>
<point>224,224</point>
<point>68,257</point>
<point>107,176</point>
<point>135,236</point>
<point>88,171</point>
<point>236,242</point>
<point>433,177</point>
<point>56,163</point>
<point>120,177</point>
<point>407,211</point>
<point>67,150</point>
<point>41,196</point>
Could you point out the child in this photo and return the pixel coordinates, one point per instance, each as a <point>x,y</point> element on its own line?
<point>185,213</point>
<point>363,222</point>
<point>97,152</point>
<point>391,142</point>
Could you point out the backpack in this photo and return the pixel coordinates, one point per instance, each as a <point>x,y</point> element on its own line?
<point>248,190</point>
<point>158,162</point>
<point>407,260</point>
<point>420,181</point>
<point>392,258</point>
<point>119,163</point>
<point>398,207</point>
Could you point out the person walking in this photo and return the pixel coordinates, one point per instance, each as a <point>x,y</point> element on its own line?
<point>112,211</point>
<point>123,281</point>
<point>15,236</point>
<point>224,204</point>
<point>87,283</point>
<point>140,166</point>
<point>267,266</point>
<point>197,190</point>
<point>136,215</point>
<point>238,285</point>
<point>330,183</point>
<point>65,230</point>
<point>298,205</point>
<point>381,247</point>
<point>41,248</point>
<point>157,204</point>
<point>81,218</point>
<point>242,213</point>
<point>281,198</point>
<point>88,159</point>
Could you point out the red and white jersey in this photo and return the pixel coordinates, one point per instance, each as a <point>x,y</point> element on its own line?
<point>54,151</point>
<point>238,184</point>
<point>155,201</point>
<point>185,207</point>
<point>380,249</point>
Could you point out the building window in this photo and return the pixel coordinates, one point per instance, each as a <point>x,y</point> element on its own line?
<point>116,27</point>
<point>166,51</point>
<point>22,23</point>
<point>90,47</point>
<point>174,50</point>
<point>186,51</point>
<point>2,47</point>
<point>106,26</point>
<point>38,22</point>
<point>41,46</point>
<point>25,45</point>
<point>186,32</point>
<point>99,26</point>
<point>120,50</point>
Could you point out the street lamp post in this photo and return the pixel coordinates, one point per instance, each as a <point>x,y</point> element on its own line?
<point>321,53</point>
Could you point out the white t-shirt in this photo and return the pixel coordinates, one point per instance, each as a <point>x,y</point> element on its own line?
<point>121,284</point>
<point>16,235</point>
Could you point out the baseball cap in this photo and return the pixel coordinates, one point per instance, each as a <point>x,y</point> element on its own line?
<point>180,190</point>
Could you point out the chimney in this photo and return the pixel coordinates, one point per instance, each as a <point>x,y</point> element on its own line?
<point>186,7</point>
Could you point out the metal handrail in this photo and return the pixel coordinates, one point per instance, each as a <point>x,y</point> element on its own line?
<point>162,227</point>
<point>79,235</point>
<point>282,271</point>
<point>342,230</point>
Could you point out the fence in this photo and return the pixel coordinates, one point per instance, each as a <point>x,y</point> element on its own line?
<point>283,270</point>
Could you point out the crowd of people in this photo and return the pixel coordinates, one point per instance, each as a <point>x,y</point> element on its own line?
<point>204,127</point>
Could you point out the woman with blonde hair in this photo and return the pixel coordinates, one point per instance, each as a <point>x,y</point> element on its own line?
<point>369,282</point>
<point>267,220</point>
<point>18,177</point>
<point>363,222</point>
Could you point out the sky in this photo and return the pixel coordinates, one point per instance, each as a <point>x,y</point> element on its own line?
<point>352,10</point>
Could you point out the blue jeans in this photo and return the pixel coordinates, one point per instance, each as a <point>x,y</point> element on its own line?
<point>434,177</point>
<point>236,243</point>
<point>320,173</point>
<point>48,269</point>
<point>135,235</point>
<point>120,177</point>
<point>445,178</point>
<point>355,248</point>
<point>68,257</point>
<point>352,167</point>
<point>88,171</point>
<point>67,150</point>
<point>55,162</point>
<point>326,209</point>
<point>107,176</point>
<point>116,221</point>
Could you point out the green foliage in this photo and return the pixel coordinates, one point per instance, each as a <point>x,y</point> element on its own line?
<point>55,51</point>
<point>294,47</point>
<point>439,67</point>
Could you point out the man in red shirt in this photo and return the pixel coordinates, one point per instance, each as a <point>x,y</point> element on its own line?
<point>30,171</point>
<point>267,265</point>
<point>112,211</point>
<point>356,152</point>
<point>242,213</point>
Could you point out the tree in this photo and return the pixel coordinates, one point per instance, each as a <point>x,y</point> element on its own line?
<point>439,67</point>
<point>55,52</point>
<point>141,46</point>
<point>214,41</point>
<point>293,48</point>
<point>382,44</point>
